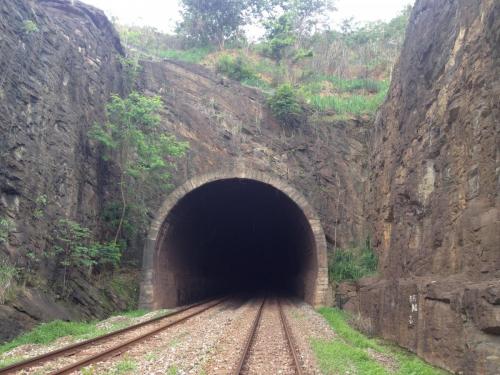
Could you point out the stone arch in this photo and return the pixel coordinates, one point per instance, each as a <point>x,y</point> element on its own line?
<point>317,288</point>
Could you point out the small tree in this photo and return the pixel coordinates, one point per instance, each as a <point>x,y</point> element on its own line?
<point>218,21</point>
<point>285,104</point>
<point>280,36</point>
<point>72,247</point>
<point>75,249</point>
<point>143,153</point>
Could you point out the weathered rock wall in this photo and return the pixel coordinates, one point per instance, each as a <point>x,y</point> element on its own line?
<point>227,124</point>
<point>58,64</point>
<point>434,190</point>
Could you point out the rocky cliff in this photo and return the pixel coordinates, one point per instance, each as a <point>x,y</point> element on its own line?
<point>434,190</point>
<point>58,64</point>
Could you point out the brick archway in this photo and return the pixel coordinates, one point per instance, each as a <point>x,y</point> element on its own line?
<point>316,287</point>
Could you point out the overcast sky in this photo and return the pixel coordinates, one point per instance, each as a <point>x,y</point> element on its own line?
<point>163,14</point>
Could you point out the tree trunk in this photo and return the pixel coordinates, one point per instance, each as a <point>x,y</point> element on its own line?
<point>124,206</point>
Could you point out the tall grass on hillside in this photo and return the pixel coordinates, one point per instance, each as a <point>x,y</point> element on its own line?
<point>192,55</point>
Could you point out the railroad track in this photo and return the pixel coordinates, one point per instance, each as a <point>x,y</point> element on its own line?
<point>251,341</point>
<point>158,324</point>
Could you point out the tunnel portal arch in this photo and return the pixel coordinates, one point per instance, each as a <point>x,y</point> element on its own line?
<point>154,285</point>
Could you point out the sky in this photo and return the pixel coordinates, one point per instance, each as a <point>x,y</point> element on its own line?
<point>164,14</point>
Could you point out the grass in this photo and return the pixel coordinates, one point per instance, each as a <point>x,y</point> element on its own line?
<point>348,353</point>
<point>353,104</point>
<point>47,333</point>
<point>344,96</point>
<point>193,55</point>
<point>258,83</point>
<point>126,365</point>
<point>351,85</point>
<point>337,357</point>
<point>10,361</point>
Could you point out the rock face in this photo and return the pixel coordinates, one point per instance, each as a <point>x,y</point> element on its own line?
<point>434,190</point>
<point>227,124</point>
<point>58,64</point>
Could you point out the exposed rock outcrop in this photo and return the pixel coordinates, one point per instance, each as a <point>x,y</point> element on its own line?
<point>434,190</point>
<point>58,64</point>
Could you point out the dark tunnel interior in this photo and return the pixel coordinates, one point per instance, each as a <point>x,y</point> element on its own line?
<point>234,236</point>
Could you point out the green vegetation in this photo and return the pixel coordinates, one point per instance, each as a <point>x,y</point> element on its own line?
<point>344,71</point>
<point>7,275</point>
<point>125,284</point>
<point>216,22</point>
<point>172,370</point>
<point>350,352</point>
<point>344,96</point>
<point>125,366</point>
<point>40,204</point>
<point>30,27</point>
<point>47,333</point>
<point>191,55</point>
<point>6,225</point>
<point>10,361</point>
<point>352,263</point>
<point>75,250</point>
<point>234,67</point>
<point>143,153</point>
<point>285,104</point>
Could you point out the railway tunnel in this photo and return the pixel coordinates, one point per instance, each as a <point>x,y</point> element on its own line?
<point>233,234</point>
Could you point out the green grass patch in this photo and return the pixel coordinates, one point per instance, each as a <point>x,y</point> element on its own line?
<point>351,85</point>
<point>193,55</point>
<point>172,370</point>
<point>344,95</point>
<point>133,313</point>
<point>348,353</point>
<point>258,83</point>
<point>337,357</point>
<point>338,321</point>
<point>47,333</point>
<point>10,361</point>
<point>353,104</point>
<point>125,366</point>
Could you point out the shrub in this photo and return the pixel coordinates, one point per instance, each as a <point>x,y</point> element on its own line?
<point>30,27</point>
<point>7,274</point>
<point>285,103</point>
<point>353,263</point>
<point>6,226</point>
<point>75,249</point>
<point>235,68</point>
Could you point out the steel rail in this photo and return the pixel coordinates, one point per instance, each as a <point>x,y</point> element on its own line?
<point>249,340</point>
<point>120,348</point>
<point>74,348</point>
<point>290,341</point>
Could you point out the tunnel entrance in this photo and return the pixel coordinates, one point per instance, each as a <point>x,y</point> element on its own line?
<point>231,235</point>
